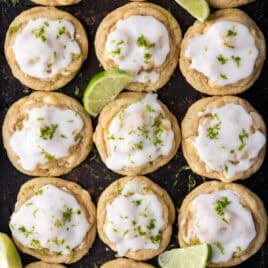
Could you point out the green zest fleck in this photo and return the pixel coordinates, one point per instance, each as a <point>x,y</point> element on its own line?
<point>238,249</point>
<point>13,29</point>
<point>223,76</point>
<point>229,45</point>
<point>63,136</point>
<point>213,131</point>
<point>243,137</point>
<point>138,146</point>
<point>49,156</point>
<point>225,168</point>
<point>40,118</point>
<point>76,91</point>
<point>147,57</point>
<point>151,224</point>
<point>25,232</point>
<point>47,132</point>
<point>61,31</point>
<point>39,192</point>
<point>57,223</point>
<point>35,243</point>
<point>232,32</point>
<point>191,182</point>
<point>67,215</point>
<point>220,205</point>
<point>40,32</point>
<point>125,232</point>
<point>115,52</point>
<point>137,202</point>
<point>143,42</point>
<point>58,253</point>
<point>140,231</point>
<point>221,59</point>
<point>149,108</point>
<point>237,60</point>
<point>220,247</point>
<point>155,239</point>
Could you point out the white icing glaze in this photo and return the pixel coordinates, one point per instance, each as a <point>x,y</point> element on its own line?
<point>226,140</point>
<point>51,219</point>
<point>138,134</point>
<point>134,219</point>
<point>225,53</point>
<point>45,47</point>
<point>138,44</point>
<point>48,133</point>
<point>228,228</point>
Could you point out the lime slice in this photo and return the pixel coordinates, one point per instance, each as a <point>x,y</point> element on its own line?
<point>189,257</point>
<point>197,8</point>
<point>103,87</point>
<point>9,257</point>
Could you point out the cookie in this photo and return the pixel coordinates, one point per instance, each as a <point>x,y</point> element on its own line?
<point>54,220</point>
<point>224,55</point>
<point>56,2</point>
<point>45,48</point>
<point>122,263</point>
<point>135,217</point>
<point>136,134</point>
<point>40,264</point>
<point>228,3</point>
<point>223,138</point>
<point>47,134</point>
<point>228,216</point>
<point>142,38</point>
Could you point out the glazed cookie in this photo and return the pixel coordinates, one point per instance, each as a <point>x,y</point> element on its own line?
<point>135,217</point>
<point>56,2</point>
<point>123,263</point>
<point>136,134</point>
<point>228,216</point>
<point>228,3</point>
<point>223,138</point>
<point>40,264</point>
<point>47,134</point>
<point>45,47</point>
<point>224,55</point>
<point>54,220</point>
<point>141,38</point>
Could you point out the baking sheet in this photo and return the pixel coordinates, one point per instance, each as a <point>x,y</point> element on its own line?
<point>177,94</point>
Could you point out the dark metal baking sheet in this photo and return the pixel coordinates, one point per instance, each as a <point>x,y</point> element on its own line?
<point>177,94</point>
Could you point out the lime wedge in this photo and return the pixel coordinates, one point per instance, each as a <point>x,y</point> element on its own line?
<point>189,257</point>
<point>103,87</point>
<point>199,9</point>
<point>9,257</point>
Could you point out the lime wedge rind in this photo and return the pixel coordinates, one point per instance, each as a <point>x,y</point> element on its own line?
<point>9,256</point>
<point>199,9</point>
<point>104,87</point>
<point>190,257</point>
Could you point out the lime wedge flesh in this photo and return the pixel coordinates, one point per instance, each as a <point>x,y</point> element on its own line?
<point>104,87</point>
<point>190,257</point>
<point>197,8</point>
<point>9,257</point>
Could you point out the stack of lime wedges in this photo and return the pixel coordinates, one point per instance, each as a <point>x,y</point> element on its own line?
<point>199,9</point>
<point>190,257</point>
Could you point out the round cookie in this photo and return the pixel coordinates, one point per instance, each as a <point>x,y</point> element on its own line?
<point>40,264</point>
<point>224,214</point>
<point>232,71</point>
<point>228,3</point>
<point>219,135</point>
<point>56,2</point>
<point>158,70</point>
<point>122,263</point>
<point>47,134</point>
<point>146,214</point>
<point>58,206</point>
<point>136,137</point>
<point>57,47</point>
